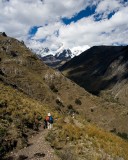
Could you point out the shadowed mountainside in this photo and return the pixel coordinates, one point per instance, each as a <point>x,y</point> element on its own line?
<point>101,70</point>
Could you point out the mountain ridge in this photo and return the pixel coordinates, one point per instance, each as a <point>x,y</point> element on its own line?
<point>101,68</point>
<point>57,58</point>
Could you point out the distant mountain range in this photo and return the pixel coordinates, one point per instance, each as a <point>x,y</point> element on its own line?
<point>60,56</point>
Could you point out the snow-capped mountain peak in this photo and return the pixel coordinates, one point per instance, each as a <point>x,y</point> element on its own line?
<point>65,53</point>
<point>78,50</point>
<point>59,56</point>
<point>62,51</point>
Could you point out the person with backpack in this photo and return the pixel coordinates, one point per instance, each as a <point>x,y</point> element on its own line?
<point>49,120</point>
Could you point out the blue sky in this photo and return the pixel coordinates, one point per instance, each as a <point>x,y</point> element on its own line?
<point>83,13</point>
<point>69,23</point>
<point>33,30</point>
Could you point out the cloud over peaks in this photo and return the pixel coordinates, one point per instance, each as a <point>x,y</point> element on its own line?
<point>107,24</point>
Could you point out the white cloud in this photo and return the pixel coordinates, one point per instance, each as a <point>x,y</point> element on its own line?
<point>88,31</point>
<point>106,7</point>
<point>17,17</point>
<point>48,30</point>
<point>109,5</point>
<point>36,13</point>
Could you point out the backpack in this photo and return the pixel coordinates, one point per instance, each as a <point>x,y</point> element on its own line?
<point>50,119</point>
<point>47,118</point>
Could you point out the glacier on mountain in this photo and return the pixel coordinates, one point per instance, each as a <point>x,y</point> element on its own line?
<point>67,52</point>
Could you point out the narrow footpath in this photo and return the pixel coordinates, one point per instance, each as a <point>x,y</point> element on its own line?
<point>39,149</point>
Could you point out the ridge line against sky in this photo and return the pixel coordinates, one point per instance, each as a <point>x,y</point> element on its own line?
<point>69,23</point>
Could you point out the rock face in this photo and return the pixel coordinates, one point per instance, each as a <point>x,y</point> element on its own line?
<point>101,70</point>
<point>58,59</point>
<point>3,34</point>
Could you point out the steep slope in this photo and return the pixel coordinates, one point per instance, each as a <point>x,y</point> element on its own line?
<point>16,123</point>
<point>23,71</point>
<point>99,69</point>
<point>17,118</point>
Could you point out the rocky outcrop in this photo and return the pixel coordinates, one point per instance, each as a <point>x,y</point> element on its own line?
<point>3,34</point>
<point>58,59</point>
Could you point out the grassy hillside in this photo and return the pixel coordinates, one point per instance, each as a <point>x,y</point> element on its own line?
<point>28,86</point>
<point>25,72</point>
<point>17,117</point>
<point>72,138</point>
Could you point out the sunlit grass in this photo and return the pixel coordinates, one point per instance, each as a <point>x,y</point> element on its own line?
<point>79,137</point>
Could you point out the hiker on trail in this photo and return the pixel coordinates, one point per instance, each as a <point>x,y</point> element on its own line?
<point>49,120</point>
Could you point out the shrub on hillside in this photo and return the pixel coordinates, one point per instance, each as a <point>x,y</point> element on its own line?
<point>123,135</point>
<point>78,101</point>
<point>71,110</point>
<point>59,102</point>
<point>3,103</point>
<point>53,88</point>
<point>2,132</point>
<point>66,154</point>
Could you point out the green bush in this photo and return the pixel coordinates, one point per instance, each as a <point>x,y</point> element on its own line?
<point>53,88</point>
<point>78,101</point>
<point>71,109</point>
<point>2,132</point>
<point>59,103</point>
<point>3,103</point>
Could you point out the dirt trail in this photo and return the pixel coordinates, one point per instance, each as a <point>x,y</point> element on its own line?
<point>39,149</point>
